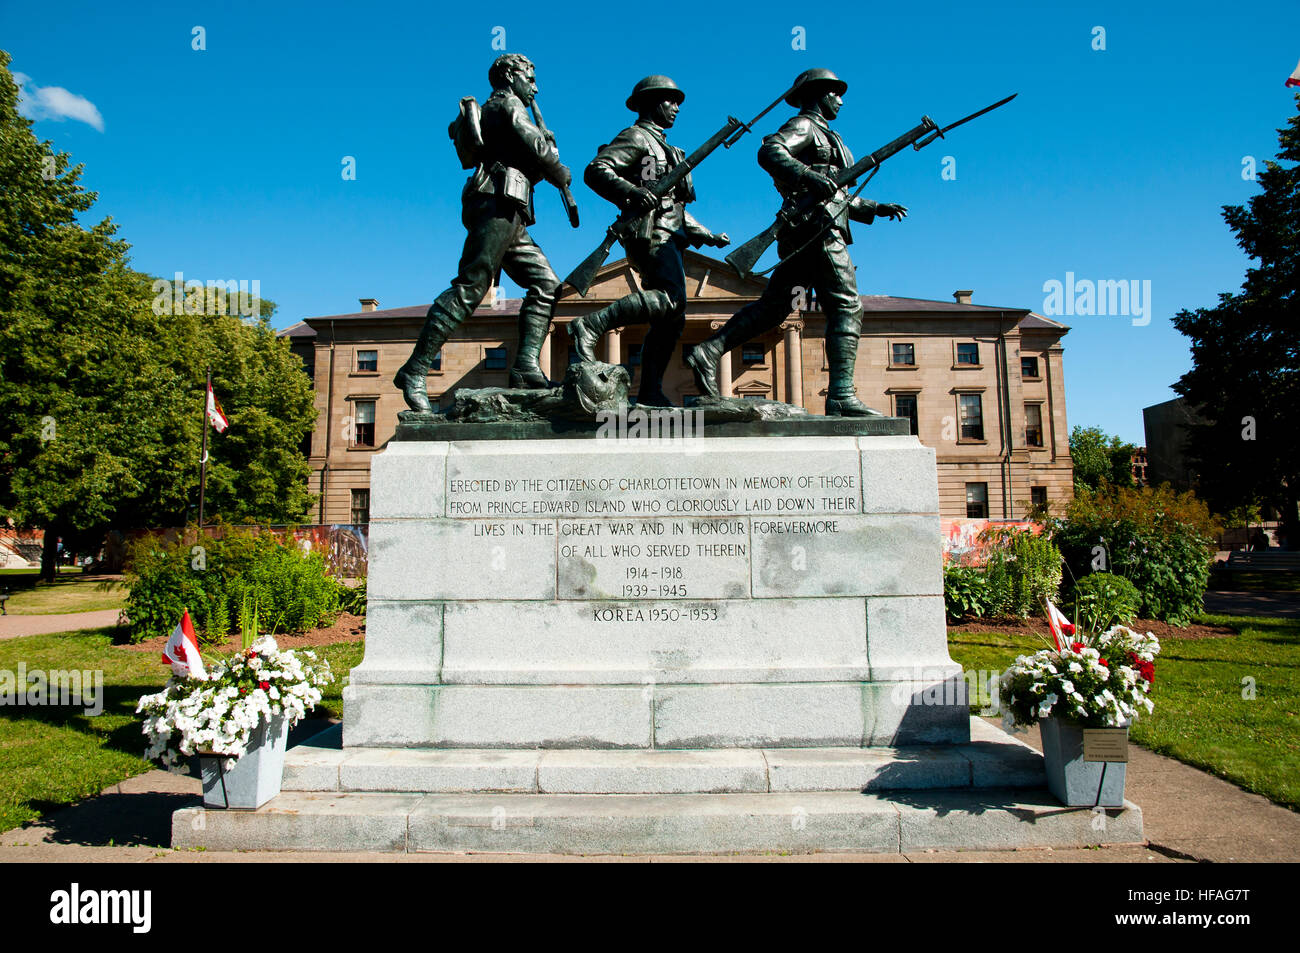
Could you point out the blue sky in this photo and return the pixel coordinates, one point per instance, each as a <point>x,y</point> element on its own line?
<point>1112,164</point>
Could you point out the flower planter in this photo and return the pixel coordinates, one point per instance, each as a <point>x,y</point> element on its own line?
<point>1075,782</point>
<point>255,778</point>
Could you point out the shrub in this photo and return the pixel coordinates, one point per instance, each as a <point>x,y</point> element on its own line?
<point>1161,541</point>
<point>1022,569</point>
<point>352,599</point>
<point>214,576</point>
<point>1101,600</point>
<point>966,591</point>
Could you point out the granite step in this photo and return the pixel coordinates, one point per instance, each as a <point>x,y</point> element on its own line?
<point>992,759</point>
<point>898,822</point>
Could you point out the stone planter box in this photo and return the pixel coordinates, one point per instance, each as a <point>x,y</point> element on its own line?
<point>255,778</point>
<point>1078,783</point>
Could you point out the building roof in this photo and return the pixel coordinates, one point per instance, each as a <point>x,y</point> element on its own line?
<point>1035,320</point>
<point>876,304</point>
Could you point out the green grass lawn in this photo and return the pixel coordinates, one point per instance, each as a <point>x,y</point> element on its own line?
<point>66,594</point>
<point>55,756</point>
<point>1204,714</point>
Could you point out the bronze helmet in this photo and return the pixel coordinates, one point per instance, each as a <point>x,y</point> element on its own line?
<point>662,85</point>
<point>810,77</point>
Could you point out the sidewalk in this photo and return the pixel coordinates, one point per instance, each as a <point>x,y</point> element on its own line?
<point>13,626</point>
<point>1190,816</point>
<point>1285,605</point>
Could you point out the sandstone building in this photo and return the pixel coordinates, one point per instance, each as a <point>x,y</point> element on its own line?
<point>982,385</point>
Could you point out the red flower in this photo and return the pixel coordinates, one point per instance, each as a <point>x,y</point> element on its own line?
<point>243,691</point>
<point>1076,646</point>
<point>1104,662</point>
<point>263,685</point>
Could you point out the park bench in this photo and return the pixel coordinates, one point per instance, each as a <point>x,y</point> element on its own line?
<point>1263,560</point>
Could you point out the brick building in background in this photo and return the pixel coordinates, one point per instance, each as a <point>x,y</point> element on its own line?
<point>982,385</point>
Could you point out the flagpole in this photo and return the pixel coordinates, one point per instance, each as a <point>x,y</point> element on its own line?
<point>203,458</point>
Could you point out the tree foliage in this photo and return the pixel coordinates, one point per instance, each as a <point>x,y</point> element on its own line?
<point>1245,379</point>
<point>1099,458</point>
<point>100,397</point>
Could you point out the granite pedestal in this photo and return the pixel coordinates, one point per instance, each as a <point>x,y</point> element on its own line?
<point>608,645</point>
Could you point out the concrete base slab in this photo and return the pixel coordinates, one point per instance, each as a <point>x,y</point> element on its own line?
<point>673,823</point>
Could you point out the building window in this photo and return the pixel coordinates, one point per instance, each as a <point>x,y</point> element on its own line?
<point>363,423</point>
<point>436,363</point>
<point>968,354</point>
<point>367,360</point>
<point>905,406</point>
<point>977,501</point>
<point>902,355</point>
<point>972,417</point>
<point>495,359</point>
<point>1038,495</point>
<point>1029,368</point>
<point>1034,425</point>
<point>360,506</point>
<point>753,353</point>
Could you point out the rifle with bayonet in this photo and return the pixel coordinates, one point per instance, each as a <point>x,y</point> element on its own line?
<point>800,213</point>
<point>566,196</point>
<point>730,133</point>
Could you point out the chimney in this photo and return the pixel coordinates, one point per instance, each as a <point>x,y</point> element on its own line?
<point>962,297</point>
<point>369,304</point>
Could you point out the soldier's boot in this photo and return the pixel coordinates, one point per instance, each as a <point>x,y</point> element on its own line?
<point>703,359</point>
<point>411,378</point>
<point>841,354</point>
<point>534,322</point>
<point>585,332</point>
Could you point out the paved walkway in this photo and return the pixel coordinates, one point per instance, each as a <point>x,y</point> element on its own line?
<point>1189,816</point>
<point>12,626</point>
<point>1278,604</point>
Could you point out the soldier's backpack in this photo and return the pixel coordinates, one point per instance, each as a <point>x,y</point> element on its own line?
<point>466,132</point>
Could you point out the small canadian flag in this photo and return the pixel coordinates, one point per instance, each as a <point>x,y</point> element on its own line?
<point>1058,623</point>
<point>182,650</point>
<point>1294,78</point>
<point>215,414</point>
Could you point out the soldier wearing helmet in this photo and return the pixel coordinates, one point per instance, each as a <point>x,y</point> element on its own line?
<point>802,157</point>
<point>621,173</point>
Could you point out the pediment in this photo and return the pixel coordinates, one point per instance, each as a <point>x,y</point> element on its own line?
<point>706,278</point>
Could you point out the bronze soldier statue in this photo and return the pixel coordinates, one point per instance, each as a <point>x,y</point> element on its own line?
<point>801,157</point>
<point>510,156</point>
<point>654,242</point>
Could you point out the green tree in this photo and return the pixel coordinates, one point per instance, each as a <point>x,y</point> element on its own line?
<point>1099,458</point>
<point>1245,376</point>
<point>101,397</point>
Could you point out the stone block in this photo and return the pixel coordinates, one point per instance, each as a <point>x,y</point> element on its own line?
<point>907,638</point>
<point>848,556</point>
<point>432,770</point>
<point>649,643</point>
<point>651,772</point>
<point>898,476</point>
<point>914,713</point>
<point>792,715</point>
<point>433,560</point>
<point>409,481</point>
<point>403,643</point>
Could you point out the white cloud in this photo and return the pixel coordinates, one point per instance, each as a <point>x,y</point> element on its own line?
<point>55,102</point>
